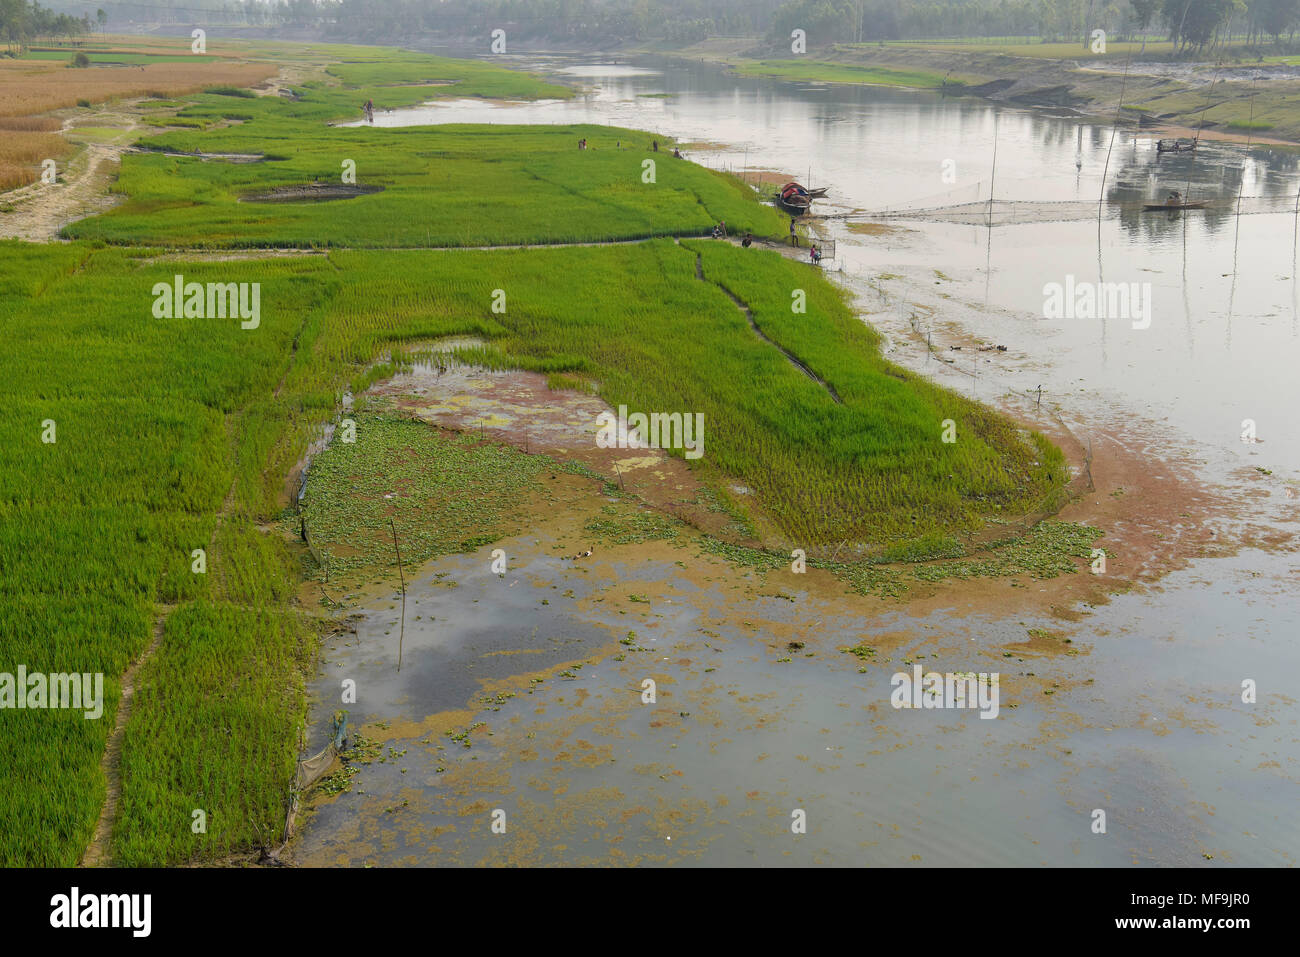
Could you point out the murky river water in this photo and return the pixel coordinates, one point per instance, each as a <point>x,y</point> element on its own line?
<point>1142,717</point>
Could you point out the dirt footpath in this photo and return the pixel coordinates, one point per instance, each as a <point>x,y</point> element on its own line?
<point>38,211</point>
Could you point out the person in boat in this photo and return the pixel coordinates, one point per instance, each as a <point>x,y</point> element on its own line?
<point>748,240</point>
<point>1175,198</point>
<point>794,237</point>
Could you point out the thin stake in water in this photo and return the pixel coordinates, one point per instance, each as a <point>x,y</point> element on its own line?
<point>401,637</point>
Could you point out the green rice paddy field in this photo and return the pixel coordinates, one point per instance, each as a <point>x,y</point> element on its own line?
<point>177,434</point>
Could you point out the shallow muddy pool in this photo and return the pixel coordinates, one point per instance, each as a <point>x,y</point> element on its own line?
<point>1131,706</point>
<point>1137,716</point>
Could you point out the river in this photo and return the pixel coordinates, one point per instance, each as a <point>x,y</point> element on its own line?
<point>1142,717</point>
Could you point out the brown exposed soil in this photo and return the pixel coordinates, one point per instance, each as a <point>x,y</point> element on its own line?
<point>878,229</point>
<point>37,212</point>
<point>767,177</point>
<point>519,408</point>
<point>311,193</point>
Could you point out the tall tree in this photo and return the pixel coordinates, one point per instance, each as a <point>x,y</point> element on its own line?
<point>1144,11</point>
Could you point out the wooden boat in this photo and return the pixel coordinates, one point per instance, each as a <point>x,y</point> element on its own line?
<point>794,205</point>
<point>794,199</point>
<point>817,193</point>
<point>1196,204</point>
<point>1181,145</point>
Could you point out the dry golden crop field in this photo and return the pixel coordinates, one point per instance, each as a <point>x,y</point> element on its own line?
<point>37,86</point>
<point>30,87</point>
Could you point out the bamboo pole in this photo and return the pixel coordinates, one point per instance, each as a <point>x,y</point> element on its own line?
<point>401,638</point>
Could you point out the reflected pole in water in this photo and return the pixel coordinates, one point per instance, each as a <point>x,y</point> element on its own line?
<point>1105,171</point>
<point>1236,231</point>
<point>988,254</point>
<point>1114,127</point>
<point>401,639</point>
<point>1187,196</point>
<point>1187,303</point>
<point>1295,237</point>
<point>1200,125</point>
<point>1078,158</point>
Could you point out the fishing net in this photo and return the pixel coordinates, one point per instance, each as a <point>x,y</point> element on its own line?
<point>1003,212</point>
<point>999,212</point>
<point>311,770</point>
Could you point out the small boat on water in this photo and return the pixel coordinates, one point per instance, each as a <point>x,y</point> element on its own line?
<point>817,193</point>
<point>1182,144</point>
<point>794,199</point>
<point>1197,204</point>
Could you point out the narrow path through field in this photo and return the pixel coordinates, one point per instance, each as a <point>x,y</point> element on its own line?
<point>97,851</point>
<point>206,252</point>
<point>41,210</point>
<point>749,317</point>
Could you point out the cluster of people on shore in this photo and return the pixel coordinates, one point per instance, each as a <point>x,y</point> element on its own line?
<point>815,253</point>
<point>654,145</point>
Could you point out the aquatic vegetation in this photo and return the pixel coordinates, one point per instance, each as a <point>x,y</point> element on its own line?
<point>434,486</point>
<point>626,525</point>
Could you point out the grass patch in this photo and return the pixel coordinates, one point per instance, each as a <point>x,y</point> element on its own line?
<point>442,487</point>
<point>822,72</point>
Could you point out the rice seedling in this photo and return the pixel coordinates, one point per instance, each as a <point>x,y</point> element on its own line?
<point>529,185</point>
<point>177,434</point>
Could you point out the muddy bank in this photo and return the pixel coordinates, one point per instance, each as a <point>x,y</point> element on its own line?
<point>310,193</point>
<point>519,408</point>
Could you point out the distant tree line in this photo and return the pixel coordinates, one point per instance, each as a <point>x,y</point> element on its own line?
<point>1193,25</point>
<point>122,15</point>
<point>587,22</point>
<point>22,22</point>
